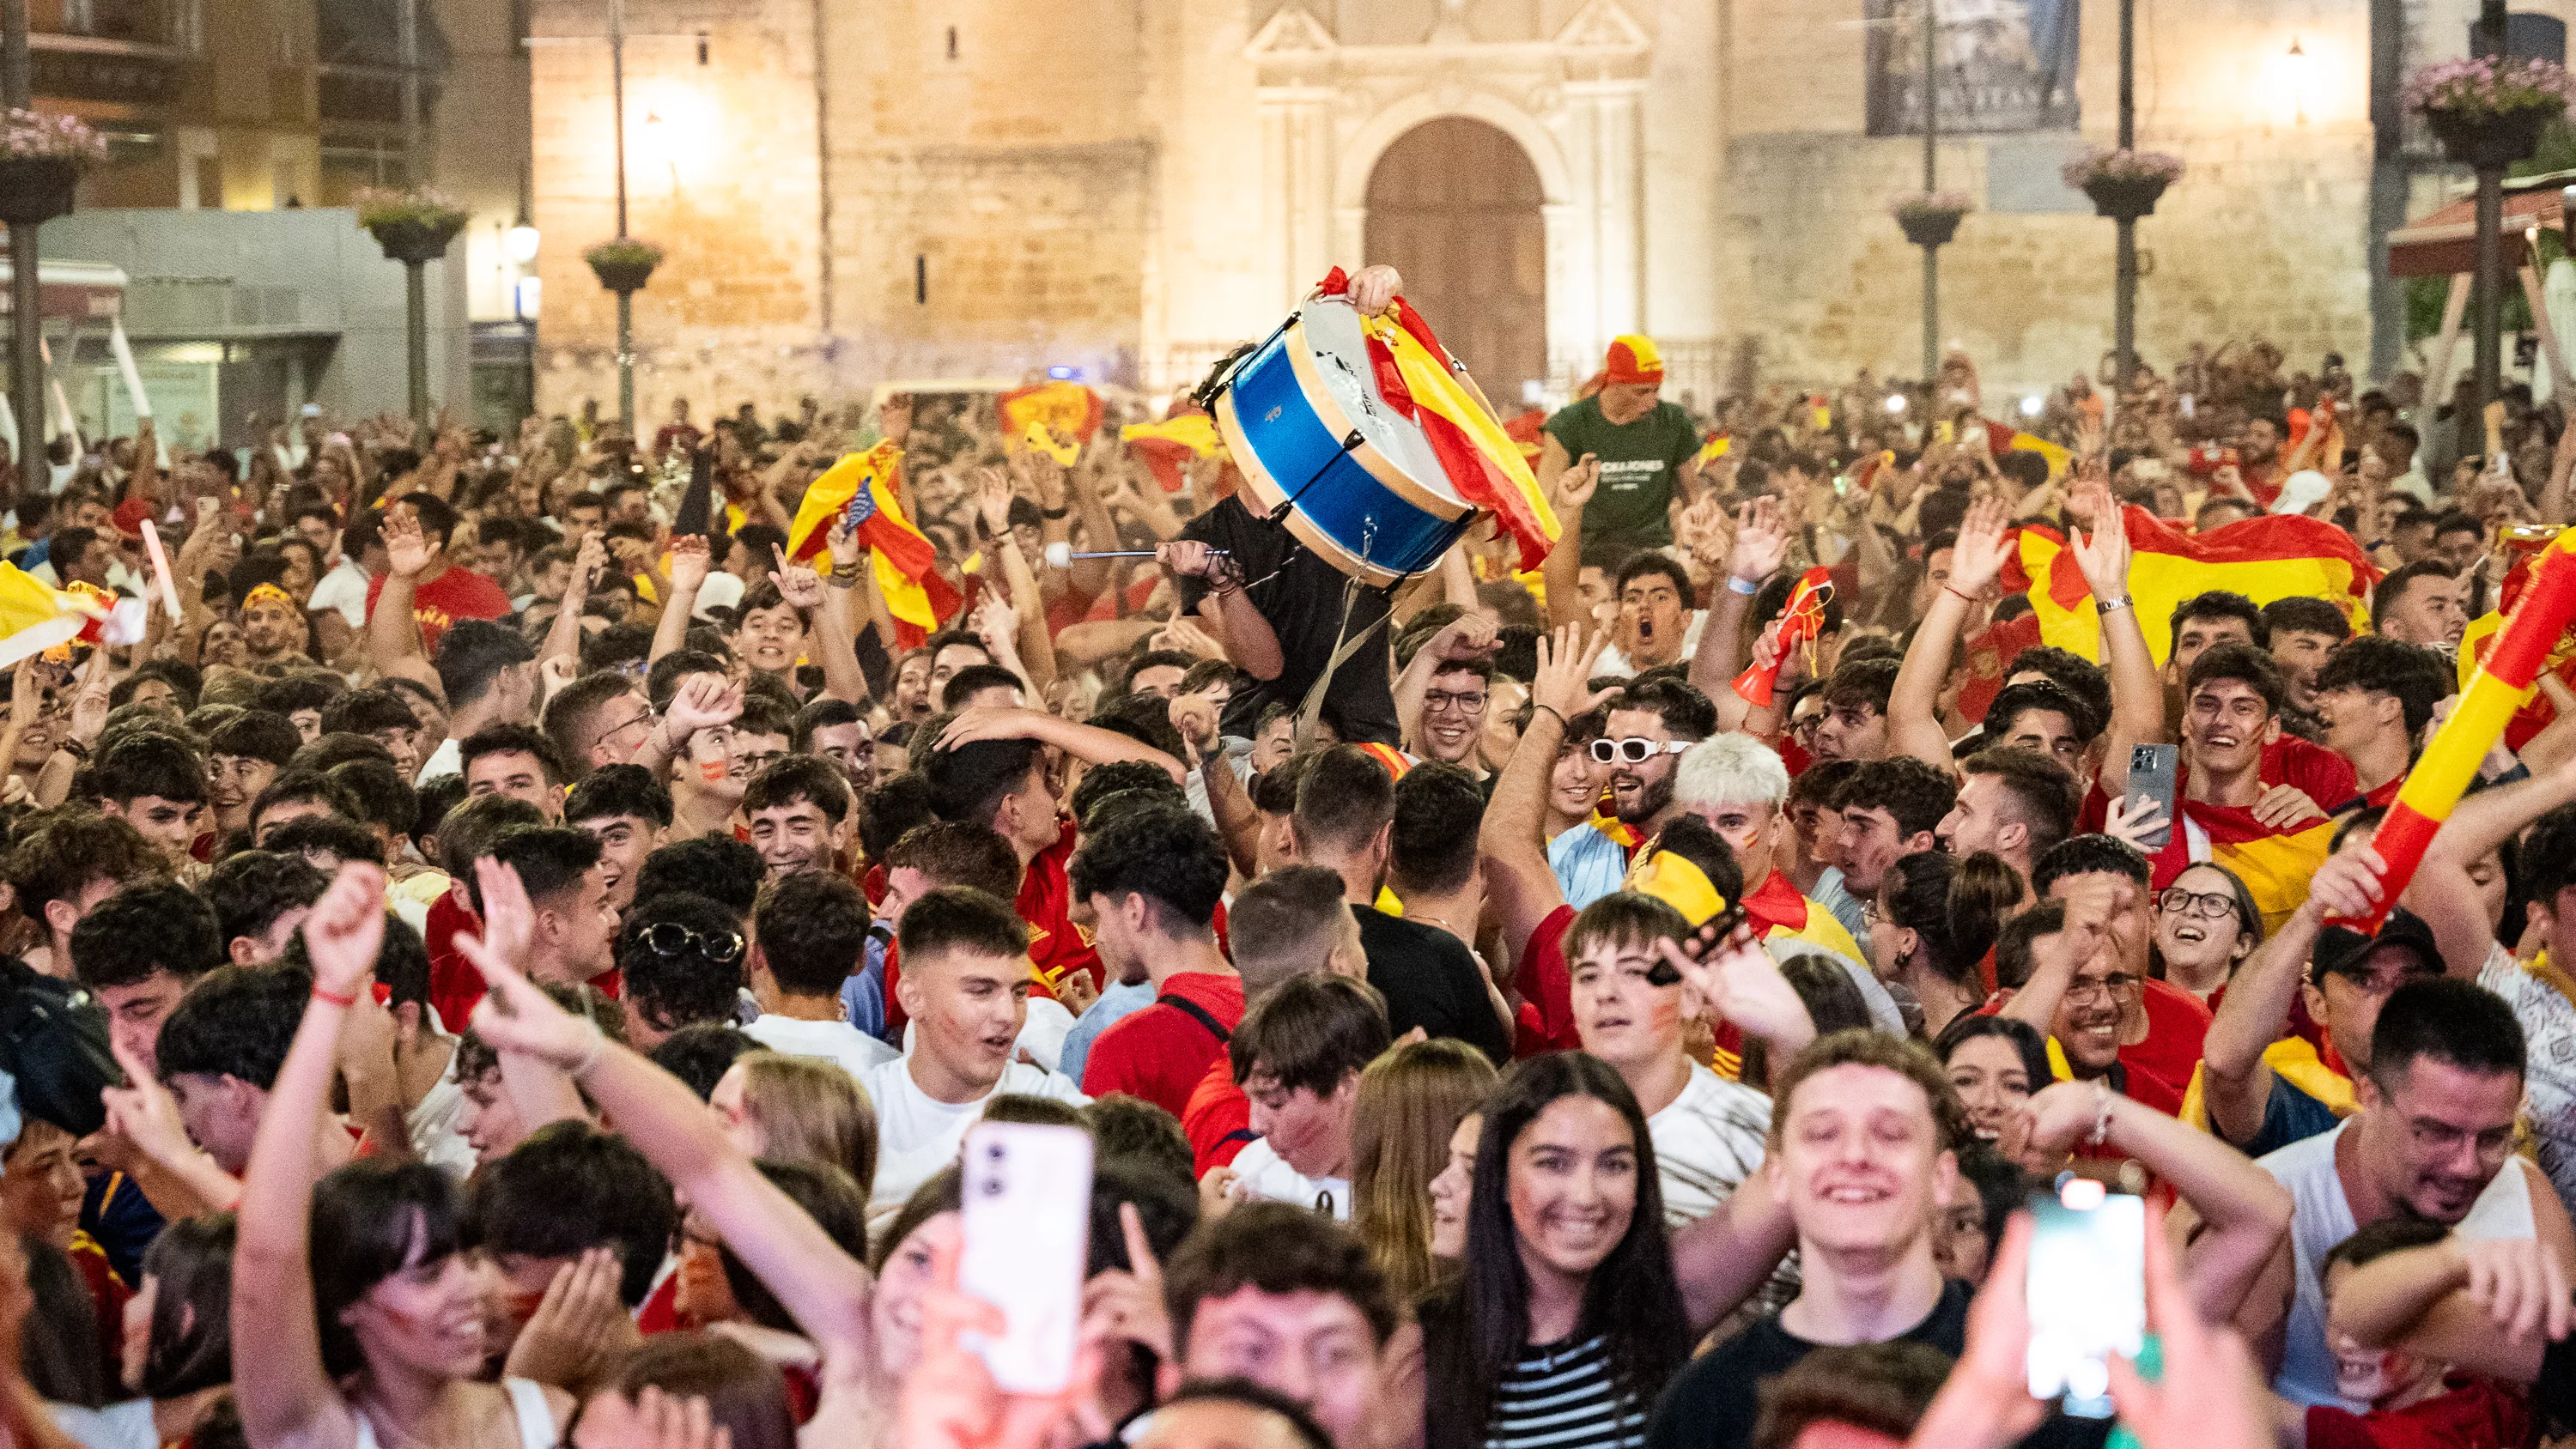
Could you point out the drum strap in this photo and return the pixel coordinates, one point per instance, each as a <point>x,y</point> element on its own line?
<point>1313,708</point>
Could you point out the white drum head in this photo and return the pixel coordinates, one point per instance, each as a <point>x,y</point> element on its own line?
<point>1340,348</point>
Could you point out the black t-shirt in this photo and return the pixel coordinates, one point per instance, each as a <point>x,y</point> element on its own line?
<point>1713,1402</point>
<point>2553,1396</point>
<point>1429,980</point>
<point>1304,607</point>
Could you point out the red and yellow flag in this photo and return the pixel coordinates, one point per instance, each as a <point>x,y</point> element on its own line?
<point>1168,446</point>
<point>906,563</point>
<point>1065,408</point>
<point>2267,558</point>
<point>1417,378</point>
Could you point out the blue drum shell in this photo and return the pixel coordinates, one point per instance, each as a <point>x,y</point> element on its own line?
<point>1356,510</point>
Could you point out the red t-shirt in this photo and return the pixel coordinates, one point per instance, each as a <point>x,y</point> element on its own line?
<point>2312,769</point>
<point>2384,795</point>
<point>2476,1414</point>
<point>453,595</point>
<point>1546,1021</point>
<point>454,984</point>
<point>1056,944</point>
<point>1218,1118</point>
<point>1161,1052</point>
<point>2177,1024</point>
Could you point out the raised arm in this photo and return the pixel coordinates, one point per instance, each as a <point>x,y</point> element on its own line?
<point>1723,1258</point>
<point>1761,547</point>
<point>1031,642</point>
<point>1562,573</point>
<point>2441,891</point>
<point>2235,1079</point>
<point>2137,695</point>
<point>2245,1208</point>
<point>1248,638</point>
<point>393,634</point>
<point>1466,638</point>
<point>1519,885</point>
<point>823,1287</point>
<point>834,640</point>
<point>563,641</point>
<point>2091,902</point>
<point>690,560</point>
<point>2488,1306</point>
<point>1088,743</point>
<point>287,1398</point>
<point>1914,705</point>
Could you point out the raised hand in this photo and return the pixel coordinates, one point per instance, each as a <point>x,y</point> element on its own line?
<point>580,1330</point>
<point>1761,542</point>
<point>1195,716</point>
<point>515,1016</point>
<point>1738,980</point>
<point>1576,485</point>
<point>2520,1283</point>
<point>844,543</point>
<point>2134,829</point>
<point>993,502</point>
<point>702,702</point>
<point>1978,558</point>
<point>346,928</point>
<point>1564,673</point>
<point>996,622</point>
<point>2104,554</point>
<point>90,703</point>
<point>986,722</point>
<point>690,561</point>
<point>2349,885</point>
<point>2049,1123</point>
<point>509,918</point>
<point>2281,806</point>
<point>1128,1305</point>
<point>407,551</point>
<point>800,586</point>
<point>144,1113</point>
<point>1466,638</point>
<point>950,1400</point>
<point>1374,289</point>
<point>1184,634</point>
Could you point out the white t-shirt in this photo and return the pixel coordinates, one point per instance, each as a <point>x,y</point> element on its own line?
<point>1260,1172</point>
<point>917,1136</point>
<point>344,588</point>
<point>836,1041</point>
<point>447,759</point>
<point>1707,1142</point>
<point>1614,662</point>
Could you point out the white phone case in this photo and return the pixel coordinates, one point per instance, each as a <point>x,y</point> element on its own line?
<point>1027,1221</point>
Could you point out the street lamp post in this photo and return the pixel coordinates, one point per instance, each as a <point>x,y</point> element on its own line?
<point>2486,294</point>
<point>26,297</point>
<point>625,295</point>
<point>1931,167</point>
<point>2124,285</point>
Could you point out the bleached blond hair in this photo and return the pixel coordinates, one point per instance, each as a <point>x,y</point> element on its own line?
<point>1730,769</point>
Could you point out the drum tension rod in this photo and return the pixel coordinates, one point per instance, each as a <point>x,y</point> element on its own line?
<point>1288,504</point>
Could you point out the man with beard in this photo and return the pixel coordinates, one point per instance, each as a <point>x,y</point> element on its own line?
<point>2420,604</point>
<point>2433,1140</point>
<point>1651,725</point>
<point>2306,631</point>
<point>272,626</point>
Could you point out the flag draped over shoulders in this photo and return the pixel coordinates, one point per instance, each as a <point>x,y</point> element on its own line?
<point>2267,558</point>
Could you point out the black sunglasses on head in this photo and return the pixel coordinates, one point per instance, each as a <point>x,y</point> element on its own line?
<point>670,938</point>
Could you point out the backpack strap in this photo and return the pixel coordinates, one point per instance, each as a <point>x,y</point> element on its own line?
<point>1202,1016</point>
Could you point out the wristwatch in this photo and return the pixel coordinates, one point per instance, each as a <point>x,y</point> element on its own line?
<point>2111,606</point>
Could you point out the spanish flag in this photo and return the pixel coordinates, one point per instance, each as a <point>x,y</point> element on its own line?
<point>2274,863</point>
<point>2267,558</point>
<point>1419,379</point>
<point>2001,439</point>
<point>1065,408</point>
<point>35,617</point>
<point>1168,446</point>
<point>905,561</point>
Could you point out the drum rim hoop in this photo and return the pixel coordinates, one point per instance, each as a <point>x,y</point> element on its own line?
<point>1328,409</point>
<point>1264,486</point>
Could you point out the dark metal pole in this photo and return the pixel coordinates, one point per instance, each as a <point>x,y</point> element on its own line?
<point>625,300</point>
<point>26,297</point>
<point>2486,295</point>
<point>416,336</point>
<point>2124,279</point>
<point>1931,172</point>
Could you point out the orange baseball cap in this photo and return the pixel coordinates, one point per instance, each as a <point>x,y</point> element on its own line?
<point>1633,359</point>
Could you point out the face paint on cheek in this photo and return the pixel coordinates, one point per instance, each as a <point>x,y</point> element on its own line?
<point>1666,1014</point>
<point>714,771</point>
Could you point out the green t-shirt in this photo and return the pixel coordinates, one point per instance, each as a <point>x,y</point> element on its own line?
<point>1639,465</point>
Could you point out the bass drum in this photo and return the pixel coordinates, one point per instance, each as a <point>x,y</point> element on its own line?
<point>1356,482</point>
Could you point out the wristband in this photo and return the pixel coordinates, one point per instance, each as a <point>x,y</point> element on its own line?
<point>1551,709</point>
<point>599,1044</point>
<point>1739,586</point>
<point>336,999</point>
<point>2101,1109</point>
<point>1971,598</point>
<point>1054,512</point>
<point>72,747</point>
<point>2110,606</point>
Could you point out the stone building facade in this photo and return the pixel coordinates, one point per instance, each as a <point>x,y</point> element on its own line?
<point>856,192</point>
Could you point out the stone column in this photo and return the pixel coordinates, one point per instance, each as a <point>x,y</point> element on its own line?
<point>1299,219</point>
<point>1608,153</point>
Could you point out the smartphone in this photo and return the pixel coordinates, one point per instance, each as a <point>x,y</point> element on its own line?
<point>2088,1291</point>
<point>2187,404</point>
<point>1023,1252</point>
<point>1942,432</point>
<point>2151,780</point>
<point>1698,943</point>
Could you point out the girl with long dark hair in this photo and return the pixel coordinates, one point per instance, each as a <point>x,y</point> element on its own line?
<point>1567,1308</point>
<point>1934,920</point>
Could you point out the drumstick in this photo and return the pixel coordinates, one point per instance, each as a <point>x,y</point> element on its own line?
<point>161,567</point>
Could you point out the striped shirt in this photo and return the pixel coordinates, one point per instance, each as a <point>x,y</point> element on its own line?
<point>1564,1395</point>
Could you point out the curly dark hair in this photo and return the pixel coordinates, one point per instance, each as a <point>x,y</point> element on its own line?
<point>1163,852</point>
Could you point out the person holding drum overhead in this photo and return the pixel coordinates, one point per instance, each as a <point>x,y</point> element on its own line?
<point>1648,450</point>
<point>1278,608</point>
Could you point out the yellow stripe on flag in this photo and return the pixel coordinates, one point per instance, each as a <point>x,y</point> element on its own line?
<point>2158,582</point>
<point>1197,431</point>
<point>34,616</point>
<point>1436,388</point>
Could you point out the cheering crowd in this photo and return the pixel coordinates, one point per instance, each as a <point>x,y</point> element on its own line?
<point>509,956</point>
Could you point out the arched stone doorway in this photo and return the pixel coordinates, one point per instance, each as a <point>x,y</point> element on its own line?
<point>1454,204</point>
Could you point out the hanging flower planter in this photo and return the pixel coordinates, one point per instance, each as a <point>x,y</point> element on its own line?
<point>2124,185</point>
<point>412,226</point>
<point>1929,218</point>
<point>2488,111</point>
<point>624,264</point>
<point>41,160</point>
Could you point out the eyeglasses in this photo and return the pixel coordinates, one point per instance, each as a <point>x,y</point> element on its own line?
<point>642,717</point>
<point>670,938</point>
<point>1870,914</point>
<point>2117,984</point>
<point>1440,699</point>
<point>1635,749</point>
<point>2174,900</point>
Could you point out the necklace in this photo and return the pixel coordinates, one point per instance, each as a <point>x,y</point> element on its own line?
<point>1430,921</point>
